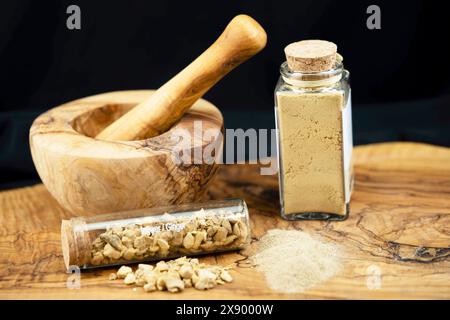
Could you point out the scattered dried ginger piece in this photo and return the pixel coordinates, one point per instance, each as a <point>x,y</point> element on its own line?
<point>174,275</point>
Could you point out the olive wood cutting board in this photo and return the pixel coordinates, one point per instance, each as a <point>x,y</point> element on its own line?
<point>398,231</point>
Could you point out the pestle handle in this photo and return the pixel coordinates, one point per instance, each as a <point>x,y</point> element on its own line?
<point>242,38</point>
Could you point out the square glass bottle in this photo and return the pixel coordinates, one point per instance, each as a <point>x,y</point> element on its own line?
<point>314,142</point>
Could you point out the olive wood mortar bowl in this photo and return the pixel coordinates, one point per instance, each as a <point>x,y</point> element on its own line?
<point>88,176</point>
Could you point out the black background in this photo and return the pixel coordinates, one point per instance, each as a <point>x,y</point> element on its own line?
<point>399,74</point>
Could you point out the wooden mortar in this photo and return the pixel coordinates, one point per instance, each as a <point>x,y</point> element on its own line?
<point>115,151</point>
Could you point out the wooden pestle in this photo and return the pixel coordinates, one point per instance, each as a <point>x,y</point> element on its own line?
<point>242,38</point>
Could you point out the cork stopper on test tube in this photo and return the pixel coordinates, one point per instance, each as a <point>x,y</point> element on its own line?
<point>75,245</point>
<point>311,55</point>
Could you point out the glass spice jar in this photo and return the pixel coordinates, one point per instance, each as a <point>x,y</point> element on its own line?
<point>314,126</point>
<point>155,233</point>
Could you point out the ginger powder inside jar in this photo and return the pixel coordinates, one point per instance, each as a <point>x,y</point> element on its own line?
<point>313,112</point>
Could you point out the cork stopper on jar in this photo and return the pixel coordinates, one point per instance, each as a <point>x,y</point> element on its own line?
<point>311,55</point>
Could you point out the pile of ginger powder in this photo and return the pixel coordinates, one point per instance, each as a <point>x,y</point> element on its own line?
<point>292,261</point>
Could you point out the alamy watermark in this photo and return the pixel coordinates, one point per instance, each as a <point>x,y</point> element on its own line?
<point>73,21</point>
<point>374,20</point>
<point>200,146</point>
<point>74,278</point>
<point>373,277</point>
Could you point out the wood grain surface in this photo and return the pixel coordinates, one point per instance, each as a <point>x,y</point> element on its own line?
<point>399,224</point>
